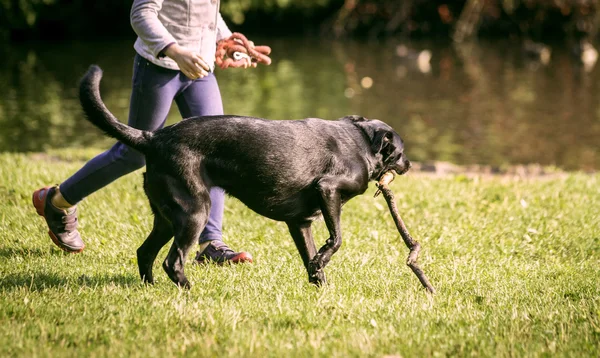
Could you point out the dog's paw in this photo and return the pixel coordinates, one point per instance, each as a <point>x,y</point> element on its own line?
<point>184,284</point>
<point>178,277</point>
<point>316,275</point>
<point>146,275</point>
<point>147,279</point>
<point>318,279</point>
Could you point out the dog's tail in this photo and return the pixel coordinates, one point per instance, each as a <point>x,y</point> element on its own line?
<point>97,113</point>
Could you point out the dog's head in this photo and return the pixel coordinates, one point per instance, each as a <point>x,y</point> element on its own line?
<point>386,145</point>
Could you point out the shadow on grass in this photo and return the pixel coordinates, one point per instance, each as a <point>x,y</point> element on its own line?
<point>43,281</point>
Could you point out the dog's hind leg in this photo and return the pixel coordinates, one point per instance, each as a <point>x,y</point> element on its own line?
<point>181,204</point>
<point>303,238</point>
<point>187,233</point>
<point>146,254</point>
<point>188,221</point>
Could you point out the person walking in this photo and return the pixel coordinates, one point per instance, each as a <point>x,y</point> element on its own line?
<point>174,61</point>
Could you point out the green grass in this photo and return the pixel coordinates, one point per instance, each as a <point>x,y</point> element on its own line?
<point>516,264</point>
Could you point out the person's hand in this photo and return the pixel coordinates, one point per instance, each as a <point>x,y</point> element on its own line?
<point>239,52</point>
<point>190,63</point>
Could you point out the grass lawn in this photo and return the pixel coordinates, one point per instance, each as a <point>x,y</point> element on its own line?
<point>516,264</point>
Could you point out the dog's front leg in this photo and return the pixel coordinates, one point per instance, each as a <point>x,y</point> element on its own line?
<point>302,235</point>
<point>329,189</point>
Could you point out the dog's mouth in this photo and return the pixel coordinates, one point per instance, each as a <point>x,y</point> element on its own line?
<point>401,172</point>
<point>401,169</point>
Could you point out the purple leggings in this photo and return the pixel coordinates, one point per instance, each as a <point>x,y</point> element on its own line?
<point>154,89</point>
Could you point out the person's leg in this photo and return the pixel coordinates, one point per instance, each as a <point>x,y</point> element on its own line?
<point>203,98</point>
<point>152,95</point>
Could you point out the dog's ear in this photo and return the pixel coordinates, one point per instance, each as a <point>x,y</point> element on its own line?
<point>383,143</point>
<point>380,136</point>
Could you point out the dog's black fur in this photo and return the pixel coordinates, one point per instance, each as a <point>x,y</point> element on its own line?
<point>292,171</point>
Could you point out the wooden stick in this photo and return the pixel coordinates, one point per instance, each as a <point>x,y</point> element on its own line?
<point>411,243</point>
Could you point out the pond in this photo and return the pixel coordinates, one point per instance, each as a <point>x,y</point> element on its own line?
<point>482,103</point>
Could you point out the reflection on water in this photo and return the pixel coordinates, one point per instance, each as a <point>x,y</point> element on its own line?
<point>476,104</point>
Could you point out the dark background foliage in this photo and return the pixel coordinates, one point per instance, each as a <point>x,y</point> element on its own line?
<point>59,19</point>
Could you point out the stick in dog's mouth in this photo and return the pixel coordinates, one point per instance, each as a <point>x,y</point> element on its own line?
<point>412,244</point>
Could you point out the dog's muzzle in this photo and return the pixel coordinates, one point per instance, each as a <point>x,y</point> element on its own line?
<point>403,168</point>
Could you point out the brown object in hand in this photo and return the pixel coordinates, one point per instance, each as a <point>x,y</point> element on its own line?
<point>411,243</point>
<point>226,48</point>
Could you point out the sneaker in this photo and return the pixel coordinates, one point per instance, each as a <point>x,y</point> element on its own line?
<point>218,252</point>
<point>62,224</point>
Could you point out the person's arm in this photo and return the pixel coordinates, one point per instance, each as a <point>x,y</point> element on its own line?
<point>145,23</point>
<point>223,31</point>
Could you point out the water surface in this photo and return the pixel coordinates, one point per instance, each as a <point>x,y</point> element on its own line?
<point>477,104</point>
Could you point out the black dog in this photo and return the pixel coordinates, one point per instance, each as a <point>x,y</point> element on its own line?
<point>292,171</point>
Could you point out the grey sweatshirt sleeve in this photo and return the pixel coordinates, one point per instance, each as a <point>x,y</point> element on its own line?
<point>223,31</point>
<point>145,23</point>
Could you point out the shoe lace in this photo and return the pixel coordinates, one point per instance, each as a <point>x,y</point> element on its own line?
<point>223,248</point>
<point>69,222</point>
